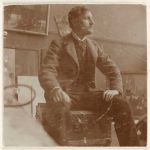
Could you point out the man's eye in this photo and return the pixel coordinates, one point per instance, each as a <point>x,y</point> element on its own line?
<point>84,18</point>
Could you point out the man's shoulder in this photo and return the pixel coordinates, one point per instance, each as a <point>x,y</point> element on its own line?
<point>67,38</point>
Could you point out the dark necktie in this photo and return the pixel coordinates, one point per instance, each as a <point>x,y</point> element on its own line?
<point>82,47</point>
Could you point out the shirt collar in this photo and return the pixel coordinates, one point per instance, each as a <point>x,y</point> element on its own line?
<point>77,37</point>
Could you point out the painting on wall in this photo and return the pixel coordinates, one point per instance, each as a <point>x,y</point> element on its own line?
<point>27,18</point>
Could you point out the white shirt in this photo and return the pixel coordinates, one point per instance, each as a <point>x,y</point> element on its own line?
<point>77,37</point>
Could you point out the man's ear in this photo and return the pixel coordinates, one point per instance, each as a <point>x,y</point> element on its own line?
<point>75,22</point>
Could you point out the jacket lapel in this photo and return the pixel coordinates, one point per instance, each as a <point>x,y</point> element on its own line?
<point>70,49</point>
<point>92,50</point>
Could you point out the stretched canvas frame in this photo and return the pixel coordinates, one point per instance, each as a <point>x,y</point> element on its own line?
<point>24,18</point>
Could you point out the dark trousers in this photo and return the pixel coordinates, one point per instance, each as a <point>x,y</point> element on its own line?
<point>120,111</point>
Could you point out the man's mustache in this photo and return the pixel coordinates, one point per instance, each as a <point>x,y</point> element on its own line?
<point>87,27</point>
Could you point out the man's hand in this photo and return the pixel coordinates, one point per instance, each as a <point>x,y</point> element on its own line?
<point>109,94</point>
<point>58,95</point>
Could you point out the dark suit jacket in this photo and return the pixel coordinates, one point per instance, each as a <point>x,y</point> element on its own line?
<point>61,63</point>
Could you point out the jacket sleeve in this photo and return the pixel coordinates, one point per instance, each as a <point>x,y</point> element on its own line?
<point>110,69</point>
<point>48,71</point>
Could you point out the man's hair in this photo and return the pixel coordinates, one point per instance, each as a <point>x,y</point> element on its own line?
<point>75,12</point>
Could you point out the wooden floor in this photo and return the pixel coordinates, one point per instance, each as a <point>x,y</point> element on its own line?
<point>20,129</point>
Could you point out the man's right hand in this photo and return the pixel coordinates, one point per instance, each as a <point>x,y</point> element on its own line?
<point>58,95</point>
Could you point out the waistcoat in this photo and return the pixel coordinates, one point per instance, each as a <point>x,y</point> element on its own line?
<point>82,54</point>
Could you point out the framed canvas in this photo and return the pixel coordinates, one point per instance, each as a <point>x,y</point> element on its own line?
<point>32,19</point>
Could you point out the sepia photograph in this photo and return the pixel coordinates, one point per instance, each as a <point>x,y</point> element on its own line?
<point>75,75</point>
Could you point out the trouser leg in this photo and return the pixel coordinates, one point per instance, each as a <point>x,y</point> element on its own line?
<point>124,123</point>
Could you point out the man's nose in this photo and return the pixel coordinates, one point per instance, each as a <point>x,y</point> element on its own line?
<point>92,21</point>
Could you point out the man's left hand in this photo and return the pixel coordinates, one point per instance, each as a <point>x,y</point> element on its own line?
<point>109,94</point>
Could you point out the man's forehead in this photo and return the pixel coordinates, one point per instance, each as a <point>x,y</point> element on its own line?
<point>86,13</point>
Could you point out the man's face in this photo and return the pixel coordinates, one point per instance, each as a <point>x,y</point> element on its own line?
<point>84,24</point>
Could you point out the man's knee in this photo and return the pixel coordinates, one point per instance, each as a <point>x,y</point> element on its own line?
<point>58,106</point>
<point>120,100</point>
<point>121,104</point>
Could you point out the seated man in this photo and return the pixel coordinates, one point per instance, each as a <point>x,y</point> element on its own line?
<point>73,59</point>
